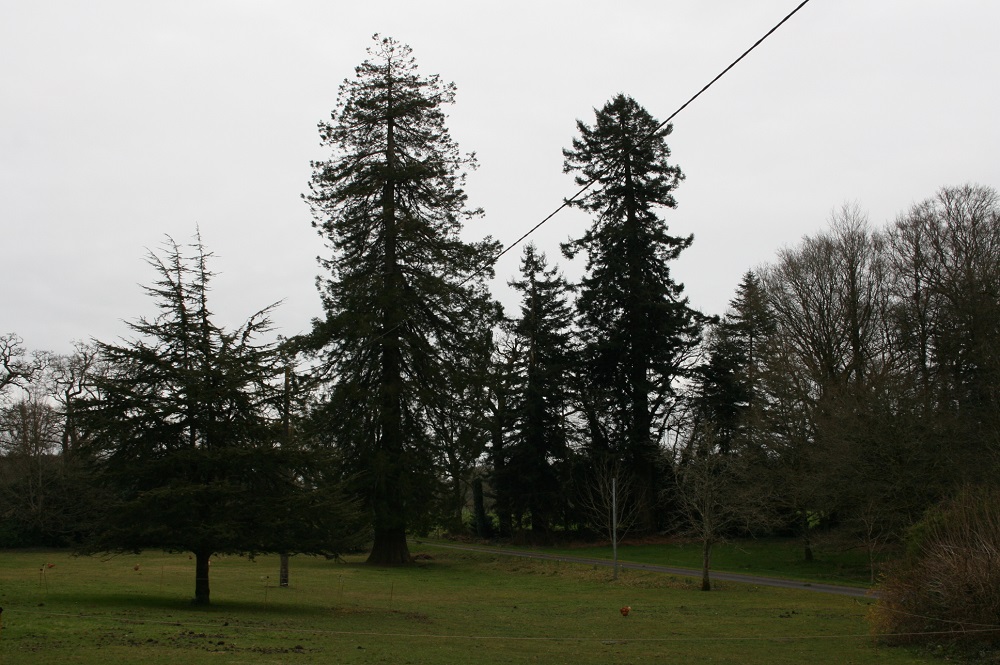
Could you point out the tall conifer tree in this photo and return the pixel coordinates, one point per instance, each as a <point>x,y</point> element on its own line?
<point>398,302</point>
<point>539,441</point>
<point>637,326</point>
<point>729,384</point>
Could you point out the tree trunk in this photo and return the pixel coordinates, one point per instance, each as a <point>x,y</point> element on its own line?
<point>390,548</point>
<point>505,522</point>
<point>637,360</point>
<point>201,566</point>
<point>614,522</point>
<point>283,570</point>
<point>483,527</point>
<point>806,540</point>
<point>539,518</point>
<point>706,562</point>
<point>287,427</point>
<point>501,502</point>
<point>458,500</point>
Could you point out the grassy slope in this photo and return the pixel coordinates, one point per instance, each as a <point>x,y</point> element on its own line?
<point>455,608</point>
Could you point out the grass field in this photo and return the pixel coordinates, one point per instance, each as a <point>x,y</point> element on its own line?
<point>773,557</point>
<point>453,608</point>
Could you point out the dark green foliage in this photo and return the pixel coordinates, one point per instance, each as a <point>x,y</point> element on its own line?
<point>502,384</point>
<point>636,326</point>
<point>722,396</point>
<point>400,306</point>
<point>185,436</point>
<point>537,451</point>
<point>729,384</point>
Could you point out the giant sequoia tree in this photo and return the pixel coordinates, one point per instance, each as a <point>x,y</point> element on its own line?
<point>399,302</point>
<point>636,325</point>
<point>184,433</point>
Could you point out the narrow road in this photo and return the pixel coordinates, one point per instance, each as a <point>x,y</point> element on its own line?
<point>855,592</point>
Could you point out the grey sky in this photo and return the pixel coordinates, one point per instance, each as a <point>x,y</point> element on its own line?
<point>123,120</point>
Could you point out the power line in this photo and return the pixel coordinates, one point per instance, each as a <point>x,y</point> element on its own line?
<point>648,137</point>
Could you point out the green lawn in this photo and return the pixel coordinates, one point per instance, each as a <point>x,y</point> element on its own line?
<point>454,608</point>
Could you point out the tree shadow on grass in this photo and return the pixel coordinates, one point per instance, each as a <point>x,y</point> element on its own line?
<point>247,609</point>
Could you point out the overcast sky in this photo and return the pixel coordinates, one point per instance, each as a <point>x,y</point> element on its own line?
<point>124,120</point>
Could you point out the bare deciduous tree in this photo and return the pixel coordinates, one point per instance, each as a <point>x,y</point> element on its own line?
<point>29,468</point>
<point>71,379</point>
<point>611,503</point>
<point>719,494</point>
<point>17,367</point>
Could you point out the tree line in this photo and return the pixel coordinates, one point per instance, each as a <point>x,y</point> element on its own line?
<point>851,385</point>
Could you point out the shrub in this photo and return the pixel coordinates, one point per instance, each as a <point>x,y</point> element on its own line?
<point>948,586</point>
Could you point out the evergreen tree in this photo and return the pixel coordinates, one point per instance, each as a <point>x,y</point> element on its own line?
<point>721,395</point>
<point>399,296</point>
<point>539,440</point>
<point>502,383</point>
<point>638,330</point>
<point>729,383</point>
<point>184,433</point>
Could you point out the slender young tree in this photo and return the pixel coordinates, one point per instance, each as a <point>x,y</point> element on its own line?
<point>400,296</point>
<point>638,330</point>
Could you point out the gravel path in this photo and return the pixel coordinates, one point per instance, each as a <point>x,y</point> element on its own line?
<point>856,592</point>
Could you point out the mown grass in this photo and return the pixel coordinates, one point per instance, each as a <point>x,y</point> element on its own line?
<point>453,608</point>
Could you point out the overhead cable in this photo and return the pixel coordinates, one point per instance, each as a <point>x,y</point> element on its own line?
<point>648,137</point>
